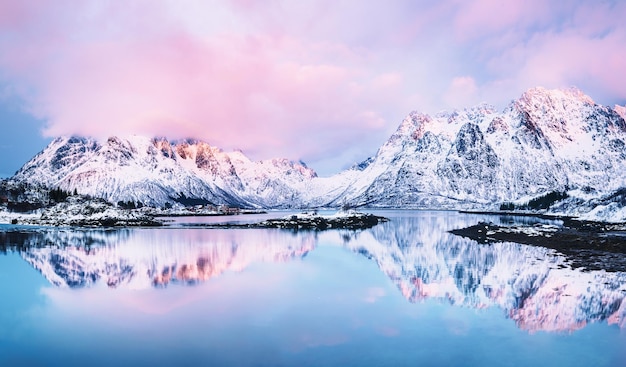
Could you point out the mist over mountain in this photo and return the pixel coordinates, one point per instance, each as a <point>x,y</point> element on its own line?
<point>543,142</point>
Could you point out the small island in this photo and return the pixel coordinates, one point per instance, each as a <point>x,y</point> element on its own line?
<point>343,219</point>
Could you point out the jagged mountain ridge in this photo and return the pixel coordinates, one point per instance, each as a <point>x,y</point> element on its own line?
<point>157,171</point>
<point>547,140</point>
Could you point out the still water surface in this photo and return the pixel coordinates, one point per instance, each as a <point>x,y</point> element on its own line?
<point>404,293</point>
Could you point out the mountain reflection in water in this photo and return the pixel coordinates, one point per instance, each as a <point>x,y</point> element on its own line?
<point>142,258</point>
<point>533,285</point>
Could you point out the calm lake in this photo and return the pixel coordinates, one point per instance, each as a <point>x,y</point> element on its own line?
<point>404,293</point>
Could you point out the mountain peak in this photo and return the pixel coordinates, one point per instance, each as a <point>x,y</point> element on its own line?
<point>156,171</point>
<point>414,123</point>
<point>621,110</point>
<point>555,115</point>
<point>479,109</point>
<point>538,95</point>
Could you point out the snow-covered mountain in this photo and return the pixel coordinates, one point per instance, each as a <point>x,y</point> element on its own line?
<point>157,171</point>
<point>547,140</point>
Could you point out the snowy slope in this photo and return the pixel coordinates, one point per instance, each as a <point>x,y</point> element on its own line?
<point>156,171</point>
<point>621,110</point>
<point>546,140</point>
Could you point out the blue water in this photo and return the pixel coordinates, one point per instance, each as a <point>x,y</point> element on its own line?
<point>405,293</point>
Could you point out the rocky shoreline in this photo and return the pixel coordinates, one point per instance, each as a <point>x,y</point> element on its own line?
<point>351,220</point>
<point>78,212</point>
<point>589,245</point>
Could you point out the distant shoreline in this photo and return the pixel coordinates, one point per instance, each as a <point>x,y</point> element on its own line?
<point>174,215</point>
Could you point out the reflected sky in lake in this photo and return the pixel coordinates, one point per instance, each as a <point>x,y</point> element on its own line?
<point>405,292</point>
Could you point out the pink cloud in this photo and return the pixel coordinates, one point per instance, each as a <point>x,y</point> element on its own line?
<point>489,17</point>
<point>334,77</point>
<point>462,92</point>
<point>233,90</point>
<point>568,58</point>
<point>554,45</point>
<point>374,294</point>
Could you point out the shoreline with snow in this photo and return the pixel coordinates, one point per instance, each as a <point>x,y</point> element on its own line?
<point>589,245</point>
<point>78,212</point>
<point>94,213</point>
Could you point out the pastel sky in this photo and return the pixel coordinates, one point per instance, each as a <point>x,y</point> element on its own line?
<point>323,81</point>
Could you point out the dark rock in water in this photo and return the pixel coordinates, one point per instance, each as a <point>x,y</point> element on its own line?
<point>355,221</point>
<point>594,246</point>
<point>350,220</point>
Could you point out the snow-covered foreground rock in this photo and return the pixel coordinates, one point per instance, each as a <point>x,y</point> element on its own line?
<point>545,141</point>
<point>342,219</point>
<point>534,286</point>
<point>80,212</point>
